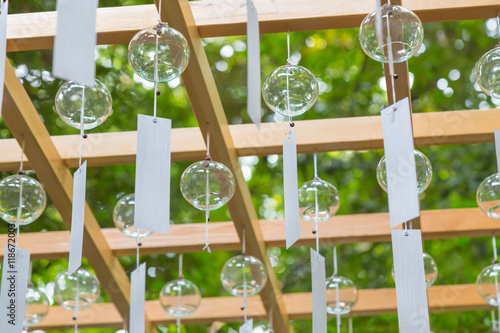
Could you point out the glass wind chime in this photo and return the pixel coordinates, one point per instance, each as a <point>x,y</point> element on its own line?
<point>243,276</point>
<point>207,185</point>
<point>487,70</point>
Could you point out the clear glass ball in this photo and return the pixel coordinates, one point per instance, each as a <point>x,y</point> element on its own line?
<point>488,73</point>
<point>220,180</point>
<point>65,288</point>
<point>327,197</point>
<point>33,197</point>
<point>430,270</point>
<point>348,295</point>
<point>37,307</point>
<point>406,32</point>
<point>123,217</point>
<point>292,98</point>
<point>173,53</point>
<point>180,298</point>
<point>424,172</point>
<point>486,284</point>
<point>243,272</point>
<point>488,196</point>
<point>97,106</point>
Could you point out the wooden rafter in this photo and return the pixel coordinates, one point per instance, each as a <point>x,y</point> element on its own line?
<point>354,133</point>
<point>371,302</point>
<point>207,106</point>
<point>117,25</point>
<point>24,122</point>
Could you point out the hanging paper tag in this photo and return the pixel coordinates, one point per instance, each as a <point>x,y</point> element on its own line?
<point>411,293</point>
<point>247,327</point>
<point>291,188</point>
<point>77,219</point>
<point>152,174</point>
<point>497,148</point>
<point>3,47</point>
<point>318,292</point>
<point>253,64</point>
<point>402,191</point>
<point>75,41</point>
<point>14,283</point>
<point>137,299</point>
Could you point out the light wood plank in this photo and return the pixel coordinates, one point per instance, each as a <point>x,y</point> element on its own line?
<point>24,122</point>
<point>372,302</point>
<point>356,133</point>
<point>117,25</point>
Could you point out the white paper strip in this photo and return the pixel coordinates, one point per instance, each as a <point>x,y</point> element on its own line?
<point>318,292</point>
<point>291,188</point>
<point>411,293</point>
<point>497,148</point>
<point>3,47</point>
<point>253,64</point>
<point>75,41</point>
<point>14,283</point>
<point>77,218</point>
<point>152,174</point>
<point>404,204</point>
<point>247,327</point>
<point>137,299</point>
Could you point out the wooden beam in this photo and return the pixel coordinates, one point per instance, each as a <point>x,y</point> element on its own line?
<point>215,18</point>
<point>207,106</point>
<point>24,122</point>
<point>355,133</point>
<point>343,229</point>
<point>372,302</point>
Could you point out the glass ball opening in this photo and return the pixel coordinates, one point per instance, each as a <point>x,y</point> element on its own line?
<point>98,104</point>
<point>348,295</point>
<point>243,272</point>
<point>294,97</point>
<point>34,199</point>
<point>221,184</point>
<point>406,32</point>
<point>37,307</point>
<point>123,217</point>
<point>488,196</point>
<point>430,270</point>
<point>487,73</point>
<point>66,287</point>
<point>173,53</point>
<point>326,195</point>
<point>424,172</point>
<point>180,298</point>
<point>486,284</point>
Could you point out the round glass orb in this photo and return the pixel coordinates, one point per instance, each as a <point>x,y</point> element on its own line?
<point>180,298</point>
<point>123,217</point>
<point>37,307</point>
<point>97,105</point>
<point>348,295</point>
<point>430,270</point>
<point>326,195</point>
<point>173,53</point>
<point>65,288</point>
<point>221,184</point>
<point>424,172</point>
<point>487,72</point>
<point>406,34</point>
<point>32,194</point>
<point>243,272</point>
<point>488,196</point>
<point>486,284</point>
<point>290,90</point>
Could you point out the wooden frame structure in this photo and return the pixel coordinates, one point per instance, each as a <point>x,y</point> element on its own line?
<point>51,157</point>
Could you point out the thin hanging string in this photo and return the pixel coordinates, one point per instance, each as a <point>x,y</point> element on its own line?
<point>21,201</point>
<point>77,301</point>
<point>138,246</point>
<point>391,59</point>
<point>179,303</point>
<point>337,291</point>
<point>178,324</point>
<point>495,261</point>
<point>207,192</point>
<point>350,325</point>
<point>288,62</point>
<point>159,12</point>
<point>82,125</point>
<point>243,252</point>
<point>493,320</point>
<point>271,323</point>
<point>157,91</point>
<point>316,203</point>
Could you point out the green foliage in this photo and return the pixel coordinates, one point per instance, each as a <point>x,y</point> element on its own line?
<point>350,87</point>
